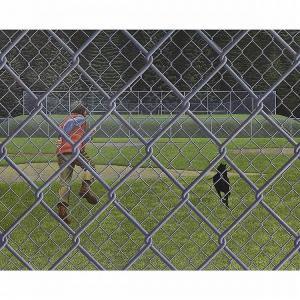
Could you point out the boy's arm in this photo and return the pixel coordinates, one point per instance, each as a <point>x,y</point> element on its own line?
<point>88,137</point>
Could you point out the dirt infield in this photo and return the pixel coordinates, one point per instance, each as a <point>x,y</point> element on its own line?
<point>42,171</point>
<point>119,144</point>
<point>285,151</point>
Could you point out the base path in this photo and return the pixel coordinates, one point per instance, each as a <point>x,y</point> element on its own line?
<point>42,171</point>
<point>285,151</point>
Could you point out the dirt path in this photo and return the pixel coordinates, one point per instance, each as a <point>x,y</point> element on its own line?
<point>132,144</point>
<point>42,171</point>
<point>286,151</point>
<point>119,145</point>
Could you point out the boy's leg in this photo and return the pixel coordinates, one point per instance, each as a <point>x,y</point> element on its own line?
<point>87,179</point>
<point>64,186</point>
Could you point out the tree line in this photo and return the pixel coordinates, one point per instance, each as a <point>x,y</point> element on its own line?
<point>184,59</point>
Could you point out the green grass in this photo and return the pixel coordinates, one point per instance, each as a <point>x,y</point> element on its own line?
<point>259,240</point>
<point>221,125</point>
<point>188,154</point>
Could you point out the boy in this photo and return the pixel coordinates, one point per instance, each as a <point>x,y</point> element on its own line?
<point>74,126</point>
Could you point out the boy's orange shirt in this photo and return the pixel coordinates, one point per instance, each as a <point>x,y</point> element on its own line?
<point>74,126</point>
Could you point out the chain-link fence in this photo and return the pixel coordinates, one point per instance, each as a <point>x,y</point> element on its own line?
<point>191,150</point>
<point>151,102</point>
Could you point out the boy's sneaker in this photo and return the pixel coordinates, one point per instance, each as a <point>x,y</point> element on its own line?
<point>63,211</point>
<point>86,192</point>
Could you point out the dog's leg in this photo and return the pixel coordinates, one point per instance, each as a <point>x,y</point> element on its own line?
<point>221,197</point>
<point>226,199</point>
<point>219,193</point>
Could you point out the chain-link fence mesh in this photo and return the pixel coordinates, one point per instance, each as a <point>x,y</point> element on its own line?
<point>167,110</point>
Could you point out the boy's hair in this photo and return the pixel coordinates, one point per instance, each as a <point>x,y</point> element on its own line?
<point>78,109</point>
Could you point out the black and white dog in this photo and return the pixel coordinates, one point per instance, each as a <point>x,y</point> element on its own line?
<point>222,184</point>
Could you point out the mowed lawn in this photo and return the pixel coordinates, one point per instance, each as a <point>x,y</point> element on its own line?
<point>185,239</point>
<point>177,153</point>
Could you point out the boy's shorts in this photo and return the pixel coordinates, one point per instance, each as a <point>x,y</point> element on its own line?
<point>66,175</point>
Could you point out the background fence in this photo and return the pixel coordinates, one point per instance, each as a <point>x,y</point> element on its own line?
<point>157,208</point>
<point>151,102</point>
